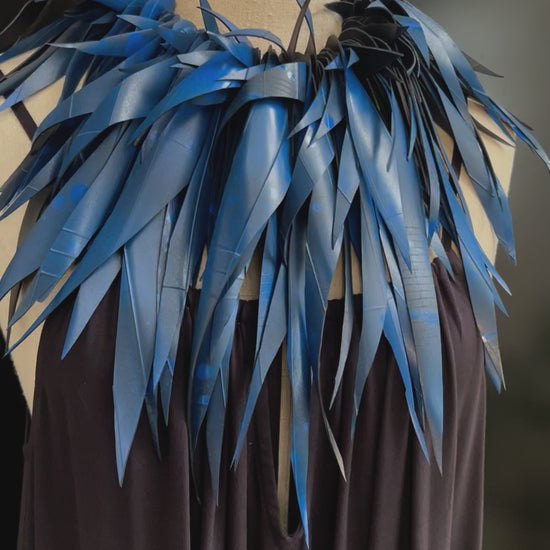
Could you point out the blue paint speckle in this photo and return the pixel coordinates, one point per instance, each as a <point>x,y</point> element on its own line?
<point>77,192</point>
<point>427,317</point>
<point>205,371</point>
<point>317,207</point>
<point>202,400</point>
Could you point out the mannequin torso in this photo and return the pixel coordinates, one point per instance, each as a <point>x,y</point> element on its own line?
<point>279,18</point>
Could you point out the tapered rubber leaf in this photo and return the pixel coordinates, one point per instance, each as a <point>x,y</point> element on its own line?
<point>121,45</point>
<point>374,297</point>
<point>215,359</point>
<point>135,336</point>
<point>311,163</point>
<point>372,144</point>
<point>419,289</point>
<point>40,38</point>
<point>252,192</point>
<point>268,346</point>
<point>184,255</point>
<point>321,259</point>
<point>90,294</point>
<point>347,321</point>
<point>348,184</point>
<point>298,366</point>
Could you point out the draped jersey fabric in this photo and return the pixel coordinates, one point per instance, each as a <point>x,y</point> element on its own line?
<point>15,418</point>
<point>393,498</point>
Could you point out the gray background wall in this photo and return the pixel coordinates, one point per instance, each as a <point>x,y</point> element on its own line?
<point>513,39</point>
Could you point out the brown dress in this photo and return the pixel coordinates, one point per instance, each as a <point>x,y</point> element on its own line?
<point>393,498</point>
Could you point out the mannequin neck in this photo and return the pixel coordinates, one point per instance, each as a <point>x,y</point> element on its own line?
<point>277,16</point>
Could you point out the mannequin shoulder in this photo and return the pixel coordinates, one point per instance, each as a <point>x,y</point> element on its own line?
<point>15,146</point>
<point>501,153</point>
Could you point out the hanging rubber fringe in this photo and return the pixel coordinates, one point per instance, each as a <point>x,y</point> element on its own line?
<point>168,139</point>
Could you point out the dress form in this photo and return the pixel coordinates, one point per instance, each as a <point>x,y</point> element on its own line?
<point>248,291</point>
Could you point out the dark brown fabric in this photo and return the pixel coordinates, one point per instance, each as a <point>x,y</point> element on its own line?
<point>393,500</point>
<point>15,417</point>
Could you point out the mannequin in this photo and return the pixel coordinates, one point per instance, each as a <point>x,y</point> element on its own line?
<point>279,18</point>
